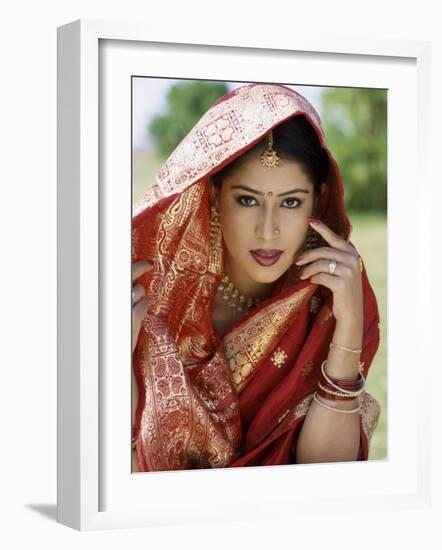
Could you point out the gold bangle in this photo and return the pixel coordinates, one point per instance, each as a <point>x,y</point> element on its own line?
<point>358,408</point>
<point>333,345</point>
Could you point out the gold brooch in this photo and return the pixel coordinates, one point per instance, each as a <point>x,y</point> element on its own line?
<point>269,157</point>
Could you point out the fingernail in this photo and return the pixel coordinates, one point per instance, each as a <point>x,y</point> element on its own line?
<point>297,259</point>
<point>314,221</point>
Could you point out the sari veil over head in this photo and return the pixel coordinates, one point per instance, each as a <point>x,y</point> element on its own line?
<point>207,400</point>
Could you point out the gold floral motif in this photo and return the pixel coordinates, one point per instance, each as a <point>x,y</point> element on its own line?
<point>278,358</point>
<point>325,314</point>
<point>307,368</point>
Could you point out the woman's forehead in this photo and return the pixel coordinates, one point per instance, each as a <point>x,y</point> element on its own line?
<point>284,177</point>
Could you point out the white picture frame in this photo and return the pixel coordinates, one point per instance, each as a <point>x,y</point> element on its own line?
<point>95,487</point>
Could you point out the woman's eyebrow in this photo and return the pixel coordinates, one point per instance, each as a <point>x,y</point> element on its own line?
<point>245,188</point>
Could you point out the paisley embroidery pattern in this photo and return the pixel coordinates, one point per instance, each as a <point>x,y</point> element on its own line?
<point>177,425</point>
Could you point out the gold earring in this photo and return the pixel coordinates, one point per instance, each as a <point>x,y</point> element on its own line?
<point>215,228</point>
<point>311,240</point>
<point>215,240</point>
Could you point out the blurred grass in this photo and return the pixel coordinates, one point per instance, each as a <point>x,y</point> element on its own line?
<point>146,166</point>
<point>370,238</point>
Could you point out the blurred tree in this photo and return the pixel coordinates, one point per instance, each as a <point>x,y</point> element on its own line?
<point>187,102</point>
<point>355,126</point>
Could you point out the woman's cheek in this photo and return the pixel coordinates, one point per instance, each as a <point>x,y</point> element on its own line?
<point>234,222</point>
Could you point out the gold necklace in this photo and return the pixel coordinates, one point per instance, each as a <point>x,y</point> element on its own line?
<point>234,298</point>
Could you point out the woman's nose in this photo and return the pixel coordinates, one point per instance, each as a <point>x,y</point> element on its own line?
<point>267,224</point>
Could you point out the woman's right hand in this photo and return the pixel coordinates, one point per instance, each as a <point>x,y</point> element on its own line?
<point>139,302</point>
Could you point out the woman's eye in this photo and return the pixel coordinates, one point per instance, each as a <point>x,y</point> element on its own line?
<point>244,200</point>
<point>247,200</point>
<point>292,201</point>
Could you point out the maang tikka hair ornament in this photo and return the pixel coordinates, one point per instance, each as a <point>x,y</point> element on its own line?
<point>269,157</point>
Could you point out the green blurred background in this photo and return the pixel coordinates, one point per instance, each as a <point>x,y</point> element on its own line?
<point>355,126</point>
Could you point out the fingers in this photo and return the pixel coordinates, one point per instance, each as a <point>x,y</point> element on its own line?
<point>140,308</point>
<point>138,292</point>
<point>139,311</point>
<point>323,266</point>
<point>140,305</point>
<point>330,236</point>
<point>329,281</point>
<point>139,268</point>
<point>326,253</point>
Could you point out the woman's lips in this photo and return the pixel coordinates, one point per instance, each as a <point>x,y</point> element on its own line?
<point>266,257</point>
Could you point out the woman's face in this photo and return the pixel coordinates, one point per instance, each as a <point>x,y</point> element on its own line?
<point>249,216</point>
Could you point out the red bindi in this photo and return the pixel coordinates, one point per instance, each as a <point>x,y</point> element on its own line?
<point>270,193</point>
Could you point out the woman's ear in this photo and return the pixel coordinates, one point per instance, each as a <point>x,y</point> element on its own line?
<point>316,196</point>
<point>214,194</point>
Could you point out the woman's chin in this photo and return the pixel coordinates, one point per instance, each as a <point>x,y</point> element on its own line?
<point>266,274</point>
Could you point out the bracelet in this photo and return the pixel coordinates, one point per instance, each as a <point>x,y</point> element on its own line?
<point>343,384</point>
<point>339,395</point>
<point>328,387</point>
<point>336,410</point>
<point>333,345</point>
<point>333,398</point>
<point>360,382</point>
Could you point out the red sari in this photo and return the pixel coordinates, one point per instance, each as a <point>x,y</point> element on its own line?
<point>207,400</point>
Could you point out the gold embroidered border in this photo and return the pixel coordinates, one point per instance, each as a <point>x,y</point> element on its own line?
<point>247,346</point>
<point>370,412</point>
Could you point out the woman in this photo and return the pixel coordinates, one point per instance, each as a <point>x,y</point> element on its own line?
<point>254,324</point>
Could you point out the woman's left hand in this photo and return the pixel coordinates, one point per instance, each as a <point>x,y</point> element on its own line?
<point>345,282</point>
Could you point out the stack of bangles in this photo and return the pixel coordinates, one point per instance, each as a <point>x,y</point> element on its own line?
<point>339,390</point>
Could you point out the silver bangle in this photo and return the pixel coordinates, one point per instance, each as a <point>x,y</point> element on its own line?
<point>358,408</point>
<point>333,345</point>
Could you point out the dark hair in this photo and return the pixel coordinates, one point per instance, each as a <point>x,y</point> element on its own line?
<point>295,139</point>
